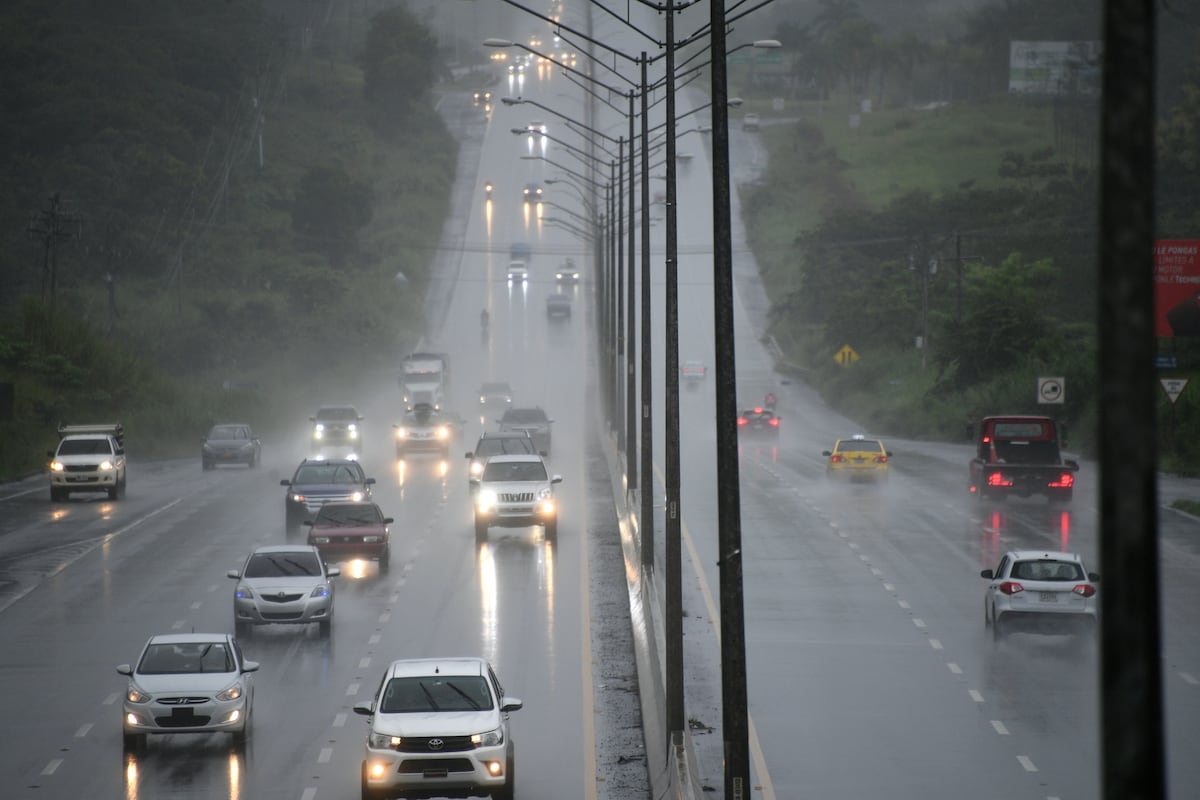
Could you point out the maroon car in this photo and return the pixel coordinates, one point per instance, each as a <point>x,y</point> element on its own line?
<point>342,531</point>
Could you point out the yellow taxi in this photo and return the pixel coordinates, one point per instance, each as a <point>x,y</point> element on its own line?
<point>857,458</point>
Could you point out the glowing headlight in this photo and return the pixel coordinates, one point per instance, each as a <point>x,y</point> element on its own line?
<point>136,695</point>
<point>319,427</point>
<point>543,493</point>
<point>482,398</point>
<point>320,591</point>
<point>357,496</point>
<point>106,466</point>
<point>318,434</point>
<point>443,432</point>
<point>486,500</point>
<point>243,592</point>
<point>56,466</point>
<point>489,739</point>
<point>297,498</point>
<point>546,506</point>
<point>402,433</point>
<point>382,741</point>
<point>232,693</point>
<point>353,433</point>
<point>352,427</point>
<point>476,467</point>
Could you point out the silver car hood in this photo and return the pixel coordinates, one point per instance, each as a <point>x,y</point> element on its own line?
<point>205,682</point>
<point>292,584</point>
<point>436,723</point>
<point>514,486</point>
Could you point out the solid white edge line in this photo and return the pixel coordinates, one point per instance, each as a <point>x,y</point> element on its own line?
<point>590,774</point>
<point>21,494</point>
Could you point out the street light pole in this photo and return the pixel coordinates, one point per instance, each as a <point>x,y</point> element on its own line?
<point>735,722</point>
<point>631,429</point>
<point>620,295</point>
<point>673,550</point>
<point>646,526</point>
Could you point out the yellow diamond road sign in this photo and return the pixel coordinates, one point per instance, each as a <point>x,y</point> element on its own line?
<point>846,356</point>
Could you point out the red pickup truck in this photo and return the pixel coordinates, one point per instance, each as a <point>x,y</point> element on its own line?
<point>1021,455</point>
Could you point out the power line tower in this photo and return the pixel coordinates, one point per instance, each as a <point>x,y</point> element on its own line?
<point>51,226</point>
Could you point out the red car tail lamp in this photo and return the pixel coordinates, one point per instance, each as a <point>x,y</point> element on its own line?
<point>1065,481</point>
<point>1011,587</point>
<point>836,459</point>
<point>743,421</point>
<point>773,422</point>
<point>998,479</point>
<point>1084,590</point>
<point>880,459</point>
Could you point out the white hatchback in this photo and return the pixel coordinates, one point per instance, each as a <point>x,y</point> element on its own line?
<point>1040,592</point>
<point>439,728</point>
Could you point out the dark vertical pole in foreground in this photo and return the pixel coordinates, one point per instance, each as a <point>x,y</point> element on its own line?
<point>646,520</point>
<point>611,303</point>
<point>619,363</point>
<point>672,545</point>
<point>729,515</point>
<point>1133,761</point>
<point>631,446</point>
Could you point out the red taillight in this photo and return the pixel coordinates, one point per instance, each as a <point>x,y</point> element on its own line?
<point>880,459</point>
<point>774,423</point>
<point>1084,590</point>
<point>758,409</point>
<point>742,420</point>
<point>1011,587</point>
<point>998,479</point>
<point>835,459</point>
<point>1065,481</point>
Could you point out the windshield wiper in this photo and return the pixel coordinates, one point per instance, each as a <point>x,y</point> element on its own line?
<point>432,703</point>
<point>464,695</point>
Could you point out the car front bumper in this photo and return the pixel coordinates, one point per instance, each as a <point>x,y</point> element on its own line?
<point>209,716</point>
<point>260,610</point>
<point>464,773</point>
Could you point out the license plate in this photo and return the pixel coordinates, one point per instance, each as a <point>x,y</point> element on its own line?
<point>1048,597</point>
<point>436,773</point>
<point>183,713</point>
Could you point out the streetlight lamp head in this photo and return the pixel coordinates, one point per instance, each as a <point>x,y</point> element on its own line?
<point>734,102</point>
<point>497,43</point>
<point>767,43</point>
<point>511,101</point>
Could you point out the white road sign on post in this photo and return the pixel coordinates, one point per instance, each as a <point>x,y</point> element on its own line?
<point>1051,390</point>
<point>1173,387</point>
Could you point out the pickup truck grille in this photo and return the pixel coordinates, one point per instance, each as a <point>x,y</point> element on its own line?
<point>516,497</point>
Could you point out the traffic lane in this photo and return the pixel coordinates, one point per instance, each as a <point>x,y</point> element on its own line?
<point>867,660</point>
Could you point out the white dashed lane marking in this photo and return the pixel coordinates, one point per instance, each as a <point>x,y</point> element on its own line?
<point>1027,763</point>
<point>363,663</point>
<point>1189,679</point>
<point>935,644</point>
<point>214,587</point>
<point>955,668</point>
<point>196,605</point>
<point>179,623</point>
<point>385,616</point>
<point>352,689</point>
<point>976,696</point>
<point>112,698</point>
<point>1000,728</point>
<point>339,720</point>
<point>375,637</point>
<point>920,623</point>
<point>52,767</point>
<point>902,603</point>
<point>83,730</point>
<point>325,754</point>
<point>889,587</point>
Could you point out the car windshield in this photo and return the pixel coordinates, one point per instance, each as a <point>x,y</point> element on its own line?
<point>337,414</point>
<point>524,415</point>
<point>859,446</point>
<point>327,473</point>
<point>283,564</point>
<point>495,388</point>
<point>228,432</point>
<point>84,447</point>
<point>506,445</point>
<point>186,658</point>
<point>505,471</point>
<point>357,514</point>
<point>1047,570</point>
<point>436,693</point>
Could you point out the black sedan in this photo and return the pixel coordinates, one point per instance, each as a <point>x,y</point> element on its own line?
<point>230,443</point>
<point>758,421</point>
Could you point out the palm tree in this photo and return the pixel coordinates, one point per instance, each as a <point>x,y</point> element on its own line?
<point>833,14</point>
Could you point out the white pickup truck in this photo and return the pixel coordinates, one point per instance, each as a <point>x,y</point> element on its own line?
<point>89,458</point>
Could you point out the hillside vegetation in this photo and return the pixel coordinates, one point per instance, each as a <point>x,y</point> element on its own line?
<point>237,186</point>
<point>949,234</point>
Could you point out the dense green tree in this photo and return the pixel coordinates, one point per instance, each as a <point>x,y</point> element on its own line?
<point>329,209</point>
<point>399,64</point>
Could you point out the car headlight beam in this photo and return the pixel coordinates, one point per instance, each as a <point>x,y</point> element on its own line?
<point>232,693</point>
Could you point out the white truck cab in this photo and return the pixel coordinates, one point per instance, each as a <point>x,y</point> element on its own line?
<point>89,458</point>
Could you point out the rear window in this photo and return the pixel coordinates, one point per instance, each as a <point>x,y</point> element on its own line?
<point>1020,430</point>
<point>357,514</point>
<point>524,415</point>
<point>859,446</point>
<point>436,693</point>
<point>1047,571</point>
<point>227,432</point>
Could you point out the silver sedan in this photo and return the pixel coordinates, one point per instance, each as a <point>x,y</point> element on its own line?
<point>188,683</point>
<point>287,584</point>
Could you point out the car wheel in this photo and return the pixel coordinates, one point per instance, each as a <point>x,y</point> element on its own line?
<point>987,617</point>
<point>57,495</point>
<point>551,528</point>
<point>205,464</point>
<point>242,629</point>
<point>114,492</point>
<point>481,531</point>
<point>133,742</point>
<point>324,626</point>
<point>999,628</point>
<point>385,561</point>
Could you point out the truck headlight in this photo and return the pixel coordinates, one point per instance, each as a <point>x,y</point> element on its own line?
<point>356,497</point>
<point>232,693</point>
<point>381,741</point>
<point>401,433</point>
<point>489,739</point>
<point>443,432</point>
<point>106,466</point>
<point>486,500</point>
<point>56,466</point>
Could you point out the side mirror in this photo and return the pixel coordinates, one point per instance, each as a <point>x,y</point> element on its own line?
<point>511,704</point>
<point>308,523</point>
<point>124,669</point>
<point>370,481</point>
<point>556,479</point>
<point>333,572</point>
<point>987,573</point>
<point>365,709</point>
<point>1094,577</point>
<point>233,573</point>
<point>388,520</point>
<point>826,452</point>
<point>249,666</point>
<point>470,455</point>
<point>285,482</point>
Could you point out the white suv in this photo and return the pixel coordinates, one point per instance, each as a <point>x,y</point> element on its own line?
<point>515,492</point>
<point>439,728</point>
<point>1039,591</point>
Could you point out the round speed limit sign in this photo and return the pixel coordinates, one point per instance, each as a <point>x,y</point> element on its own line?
<point>1051,390</point>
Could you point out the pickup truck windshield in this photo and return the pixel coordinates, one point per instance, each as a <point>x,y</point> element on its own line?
<point>84,447</point>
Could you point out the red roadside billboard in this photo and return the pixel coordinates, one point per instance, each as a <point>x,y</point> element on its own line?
<point>1177,287</point>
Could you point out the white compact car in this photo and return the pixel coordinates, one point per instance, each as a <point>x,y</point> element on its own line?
<point>1040,592</point>
<point>439,728</point>
<point>188,683</point>
<point>282,583</point>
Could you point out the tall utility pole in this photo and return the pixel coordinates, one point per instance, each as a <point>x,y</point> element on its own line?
<point>631,445</point>
<point>646,517</point>
<point>51,226</point>
<point>734,714</point>
<point>1133,758</point>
